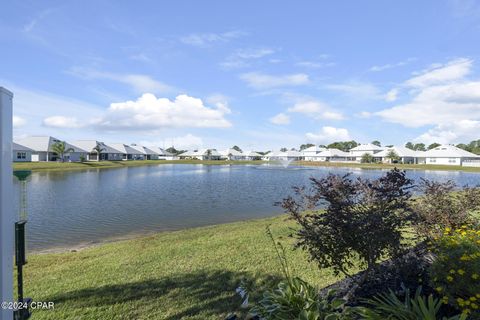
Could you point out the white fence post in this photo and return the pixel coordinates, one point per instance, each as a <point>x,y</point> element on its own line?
<point>7,217</point>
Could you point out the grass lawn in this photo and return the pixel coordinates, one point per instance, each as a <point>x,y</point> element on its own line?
<point>65,166</point>
<point>189,274</point>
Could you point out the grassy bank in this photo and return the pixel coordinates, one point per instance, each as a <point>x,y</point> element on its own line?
<point>65,166</point>
<point>59,166</point>
<point>189,274</point>
<point>389,166</point>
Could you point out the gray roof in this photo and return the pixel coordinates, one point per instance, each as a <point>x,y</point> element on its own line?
<point>401,152</point>
<point>19,147</point>
<point>334,153</point>
<point>125,148</point>
<point>449,151</point>
<point>45,144</point>
<point>367,147</point>
<point>90,144</point>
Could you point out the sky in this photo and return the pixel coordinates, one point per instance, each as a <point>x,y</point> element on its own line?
<point>258,74</point>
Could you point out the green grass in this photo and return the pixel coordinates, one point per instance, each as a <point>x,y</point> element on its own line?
<point>59,166</point>
<point>66,166</point>
<point>189,274</point>
<point>389,166</point>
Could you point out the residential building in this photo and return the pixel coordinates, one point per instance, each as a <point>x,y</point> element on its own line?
<point>107,153</point>
<point>450,155</point>
<point>232,155</point>
<point>128,152</point>
<point>335,155</point>
<point>42,147</point>
<point>405,155</point>
<point>312,153</point>
<point>21,153</point>
<point>203,154</point>
<point>362,149</point>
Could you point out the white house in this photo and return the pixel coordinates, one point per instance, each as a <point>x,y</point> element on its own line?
<point>21,153</point>
<point>405,155</point>
<point>108,152</point>
<point>232,154</point>
<point>128,152</point>
<point>203,154</point>
<point>146,152</point>
<point>163,154</point>
<point>252,155</point>
<point>450,155</point>
<point>335,155</point>
<point>42,147</point>
<point>311,154</point>
<point>361,149</point>
<point>284,155</point>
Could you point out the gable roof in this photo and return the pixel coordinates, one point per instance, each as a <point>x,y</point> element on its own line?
<point>45,144</point>
<point>449,151</point>
<point>252,154</point>
<point>90,144</point>
<point>125,148</point>
<point>401,152</point>
<point>19,147</point>
<point>332,152</point>
<point>232,152</point>
<point>367,147</point>
<point>315,149</point>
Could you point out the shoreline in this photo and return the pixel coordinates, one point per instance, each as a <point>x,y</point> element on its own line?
<point>75,166</point>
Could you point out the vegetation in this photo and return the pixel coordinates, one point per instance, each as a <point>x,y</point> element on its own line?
<point>392,156</point>
<point>367,158</point>
<point>377,143</point>
<point>98,150</point>
<point>60,149</point>
<point>362,218</point>
<point>473,146</point>
<point>417,146</point>
<point>442,208</point>
<point>174,151</point>
<point>343,145</point>
<point>237,148</point>
<point>283,149</point>
<point>433,146</point>
<point>455,273</point>
<point>306,146</point>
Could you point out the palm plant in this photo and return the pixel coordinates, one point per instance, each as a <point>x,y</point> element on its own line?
<point>98,149</point>
<point>209,154</point>
<point>60,149</point>
<point>392,155</point>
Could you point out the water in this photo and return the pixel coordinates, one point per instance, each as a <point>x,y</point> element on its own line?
<point>67,209</point>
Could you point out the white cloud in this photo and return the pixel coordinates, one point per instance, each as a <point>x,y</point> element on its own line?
<point>391,95</point>
<point>460,131</point>
<point>328,135</point>
<point>18,122</point>
<point>364,114</point>
<point>451,71</point>
<point>280,119</point>
<point>188,141</point>
<point>392,65</point>
<point>206,39</point>
<point>265,81</point>
<point>357,90</point>
<point>61,122</point>
<point>316,109</point>
<point>313,64</point>
<point>149,113</point>
<point>140,83</point>
<point>241,58</point>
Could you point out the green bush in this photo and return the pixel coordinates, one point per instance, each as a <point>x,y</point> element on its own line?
<point>389,306</point>
<point>455,273</point>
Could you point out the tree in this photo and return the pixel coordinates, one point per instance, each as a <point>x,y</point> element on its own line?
<point>463,146</point>
<point>341,218</point>
<point>410,146</point>
<point>306,146</point>
<point>284,150</point>
<point>60,149</point>
<point>393,156</point>
<point>433,145</point>
<point>208,154</point>
<point>98,150</point>
<point>376,143</point>
<point>367,158</point>
<point>419,147</point>
<point>237,148</point>
<point>343,145</point>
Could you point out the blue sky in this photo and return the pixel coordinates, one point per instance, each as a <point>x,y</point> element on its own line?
<point>258,74</point>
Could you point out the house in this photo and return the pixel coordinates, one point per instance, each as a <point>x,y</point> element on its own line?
<point>311,154</point>
<point>361,149</point>
<point>42,147</point>
<point>450,155</point>
<point>147,153</point>
<point>335,155</point>
<point>232,155</point>
<point>107,153</point>
<point>203,154</point>
<point>252,155</point>
<point>405,155</point>
<point>291,155</point>
<point>163,154</point>
<point>128,152</point>
<point>21,153</point>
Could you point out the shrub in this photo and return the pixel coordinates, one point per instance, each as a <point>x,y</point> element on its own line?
<point>367,158</point>
<point>442,206</point>
<point>362,221</point>
<point>455,273</point>
<point>389,306</point>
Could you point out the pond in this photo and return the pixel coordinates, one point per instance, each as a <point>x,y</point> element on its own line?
<point>69,209</point>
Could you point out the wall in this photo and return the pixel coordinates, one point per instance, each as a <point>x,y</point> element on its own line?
<point>444,161</point>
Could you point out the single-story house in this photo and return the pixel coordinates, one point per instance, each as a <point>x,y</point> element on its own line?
<point>284,155</point>
<point>335,155</point>
<point>252,155</point>
<point>232,154</point>
<point>107,153</point>
<point>163,154</point>
<point>203,154</point>
<point>128,152</point>
<point>311,154</point>
<point>450,155</point>
<point>361,149</point>
<point>42,147</point>
<point>405,155</point>
<point>21,153</point>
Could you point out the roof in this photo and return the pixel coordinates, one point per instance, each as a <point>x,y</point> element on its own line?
<point>19,147</point>
<point>334,153</point>
<point>289,153</point>
<point>252,154</point>
<point>401,152</point>
<point>125,148</point>
<point>367,147</point>
<point>199,153</point>
<point>45,144</point>
<point>449,151</point>
<point>89,145</point>
<point>160,151</point>
<point>315,149</point>
<point>141,149</point>
<point>232,152</point>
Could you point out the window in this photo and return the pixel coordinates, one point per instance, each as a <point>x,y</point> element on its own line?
<point>452,160</point>
<point>21,155</point>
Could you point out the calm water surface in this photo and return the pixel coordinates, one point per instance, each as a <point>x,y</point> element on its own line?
<point>83,207</point>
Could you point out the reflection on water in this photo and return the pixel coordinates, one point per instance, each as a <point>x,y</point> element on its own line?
<point>71,208</point>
